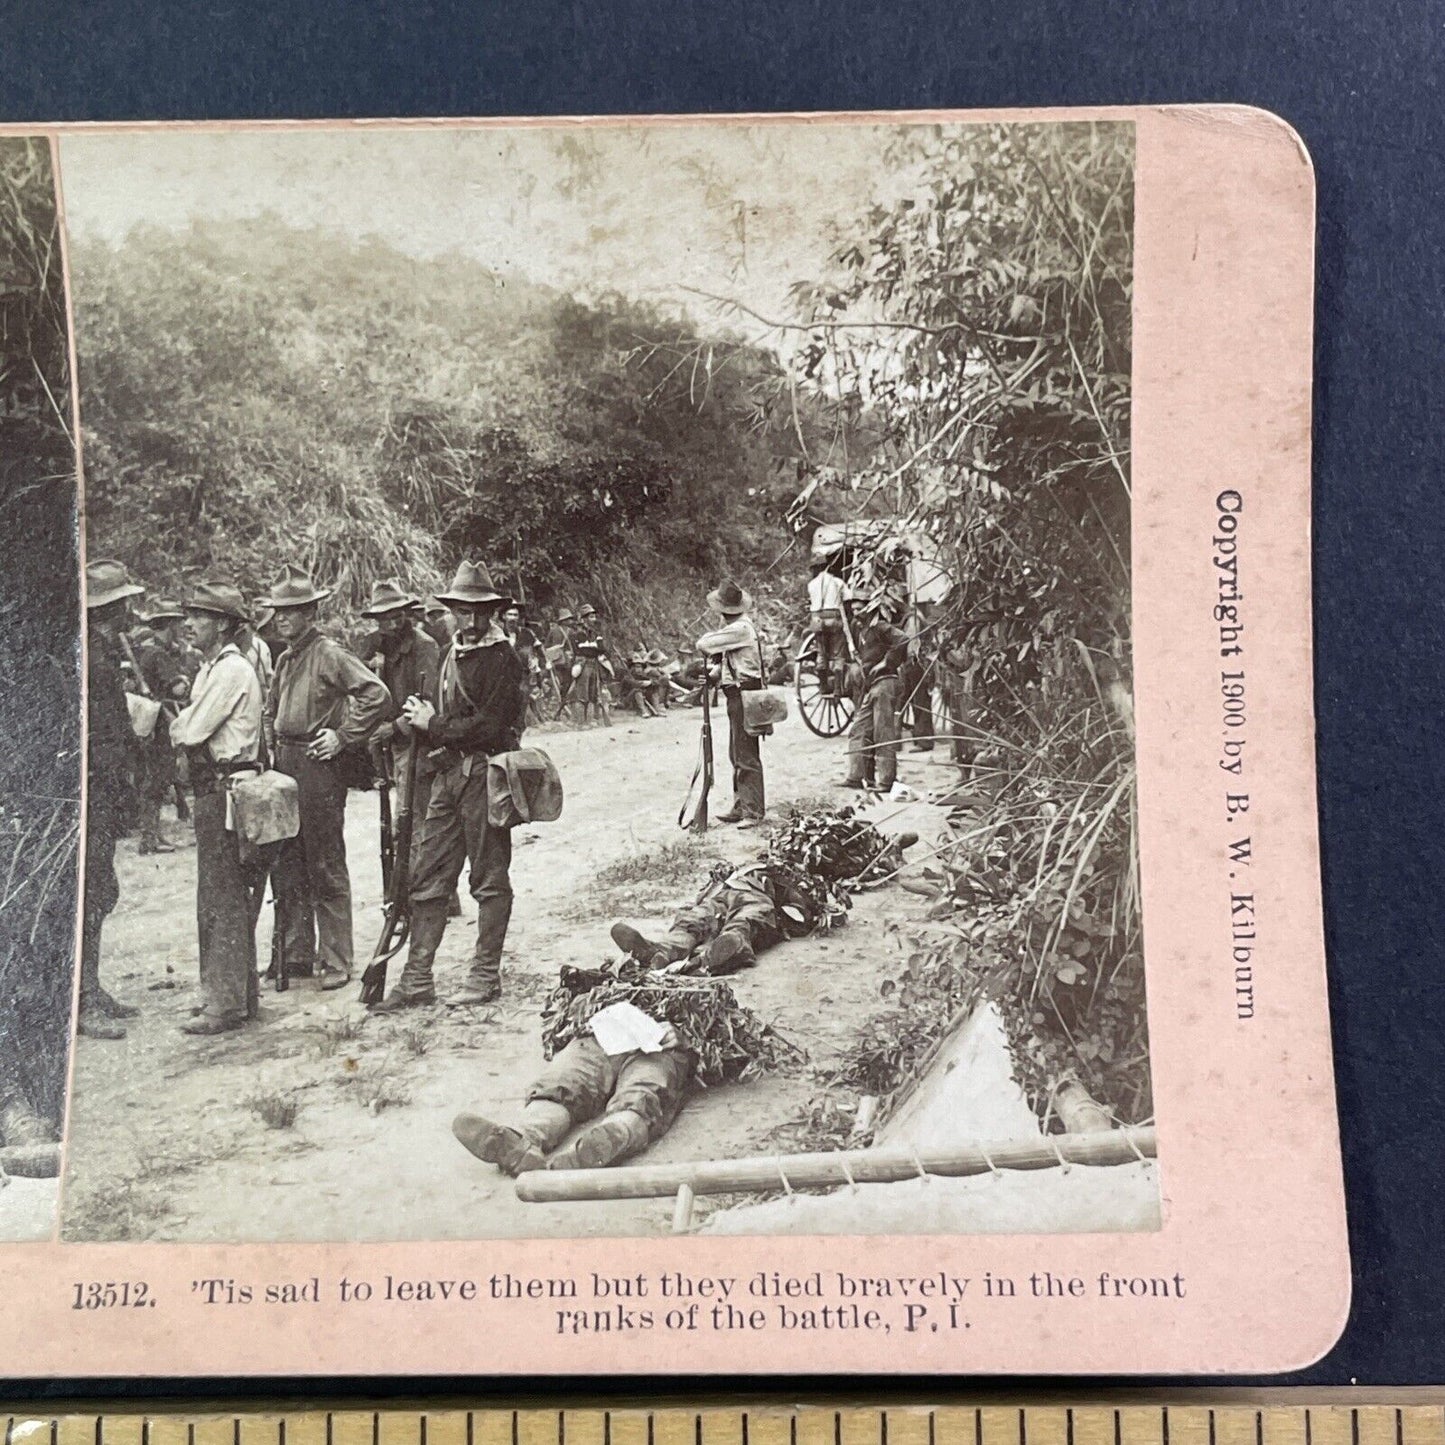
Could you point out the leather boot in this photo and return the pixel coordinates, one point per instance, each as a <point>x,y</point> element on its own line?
<point>112,1007</point>
<point>613,1138</point>
<point>92,1024</point>
<point>728,953</point>
<point>415,986</point>
<point>644,950</point>
<point>515,1151</point>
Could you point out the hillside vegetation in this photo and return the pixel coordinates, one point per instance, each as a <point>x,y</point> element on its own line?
<point>255,394</point>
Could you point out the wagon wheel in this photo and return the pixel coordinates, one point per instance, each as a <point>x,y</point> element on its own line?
<point>825,713</point>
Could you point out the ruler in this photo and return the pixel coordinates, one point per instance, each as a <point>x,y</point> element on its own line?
<point>1224,1421</point>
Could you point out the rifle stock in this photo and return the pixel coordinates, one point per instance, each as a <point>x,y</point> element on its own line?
<point>702,775</point>
<point>396,917</point>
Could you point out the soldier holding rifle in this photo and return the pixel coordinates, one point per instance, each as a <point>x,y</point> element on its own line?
<point>476,711</point>
<point>739,655</point>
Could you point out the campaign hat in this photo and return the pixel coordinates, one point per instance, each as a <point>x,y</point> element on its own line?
<point>730,599</point>
<point>219,598</point>
<point>107,581</point>
<point>388,595</point>
<point>294,588</point>
<point>163,610</point>
<point>472,587</point>
<point>566,615</point>
<point>657,657</point>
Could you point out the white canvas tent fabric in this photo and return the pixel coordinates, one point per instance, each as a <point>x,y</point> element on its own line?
<point>967,1095</point>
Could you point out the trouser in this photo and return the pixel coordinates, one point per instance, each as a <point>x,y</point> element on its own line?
<point>955,697</point>
<point>738,906</point>
<point>827,627</point>
<point>155,782</point>
<point>588,1082</point>
<point>224,918</point>
<point>746,756</point>
<point>102,893</point>
<point>873,737</point>
<point>915,682</point>
<point>455,832</point>
<point>636,694</point>
<point>311,878</point>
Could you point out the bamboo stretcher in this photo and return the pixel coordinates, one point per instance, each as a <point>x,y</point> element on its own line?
<point>838,1167</point>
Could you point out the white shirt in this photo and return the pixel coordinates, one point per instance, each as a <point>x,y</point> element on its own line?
<point>225,710</point>
<point>825,592</point>
<point>737,642</point>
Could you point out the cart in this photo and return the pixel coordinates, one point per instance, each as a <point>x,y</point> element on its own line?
<point>862,551</point>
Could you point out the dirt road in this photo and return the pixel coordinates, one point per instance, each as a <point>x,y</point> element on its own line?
<point>169,1135</point>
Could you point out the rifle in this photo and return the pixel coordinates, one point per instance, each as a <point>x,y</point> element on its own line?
<point>701,774</point>
<point>385,777</point>
<point>279,979</point>
<point>396,917</point>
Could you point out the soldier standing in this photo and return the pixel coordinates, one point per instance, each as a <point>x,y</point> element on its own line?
<point>221,733</point>
<point>740,660</point>
<point>476,712</point>
<point>562,651</point>
<point>437,624</point>
<point>323,700</point>
<point>110,749</point>
<point>873,736</point>
<point>406,659</point>
<point>158,658</point>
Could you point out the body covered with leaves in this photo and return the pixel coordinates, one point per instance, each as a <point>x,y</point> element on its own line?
<point>689,1026</point>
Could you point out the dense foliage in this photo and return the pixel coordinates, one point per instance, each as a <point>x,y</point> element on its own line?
<point>980,323</point>
<point>40,766</point>
<point>256,393</point>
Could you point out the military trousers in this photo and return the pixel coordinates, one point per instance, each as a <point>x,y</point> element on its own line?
<point>737,905</point>
<point>587,1081</point>
<point>310,875</point>
<point>455,833</point>
<point>745,753</point>
<point>102,891</point>
<point>873,736</point>
<point>224,916</point>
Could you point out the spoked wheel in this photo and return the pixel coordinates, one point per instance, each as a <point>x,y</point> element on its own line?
<point>825,712</point>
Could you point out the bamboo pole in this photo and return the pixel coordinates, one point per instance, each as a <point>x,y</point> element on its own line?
<point>682,1210</point>
<point>845,1166</point>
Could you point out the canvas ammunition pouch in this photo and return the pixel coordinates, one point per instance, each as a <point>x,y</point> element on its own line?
<point>523,786</point>
<point>763,707</point>
<point>145,713</point>
<point>266,807</point>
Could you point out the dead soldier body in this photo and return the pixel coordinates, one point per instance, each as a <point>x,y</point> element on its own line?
<point>639,1093</point>
<point>476,712</point>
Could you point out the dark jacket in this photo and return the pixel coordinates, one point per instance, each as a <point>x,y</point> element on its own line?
<point>882,649</point>
<point>112,743</point>
<point>481,699</point>
<point>408,665</point>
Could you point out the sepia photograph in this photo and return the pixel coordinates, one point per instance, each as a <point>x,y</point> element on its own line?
<point>40,764</point>
<point>610,682</point>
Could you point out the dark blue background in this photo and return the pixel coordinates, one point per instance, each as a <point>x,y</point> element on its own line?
<point>1361,81</point>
